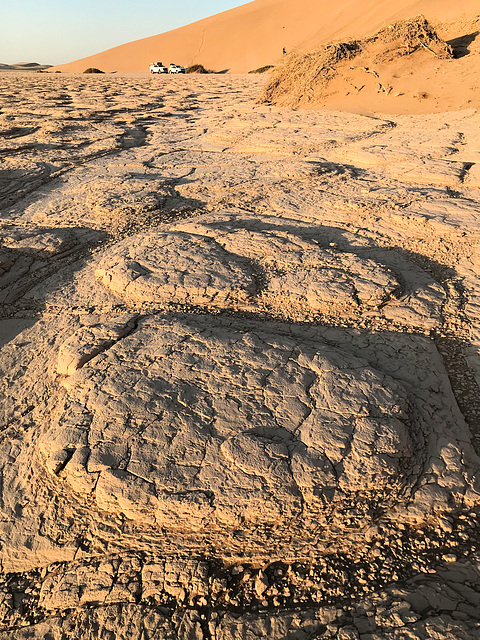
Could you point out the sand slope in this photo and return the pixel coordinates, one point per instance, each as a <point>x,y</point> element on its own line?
<point>254,34</point>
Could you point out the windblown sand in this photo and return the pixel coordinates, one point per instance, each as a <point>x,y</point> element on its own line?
<point>240,349</point>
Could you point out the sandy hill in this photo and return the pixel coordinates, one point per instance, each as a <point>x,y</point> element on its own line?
<point>254,34</point>
<point>24,66</point>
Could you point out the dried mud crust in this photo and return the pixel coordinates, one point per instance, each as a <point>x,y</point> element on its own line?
<point>204,427</point>
<point>199,423</point>
<point>241,424</point>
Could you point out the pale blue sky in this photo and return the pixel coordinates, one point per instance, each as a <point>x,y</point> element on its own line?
<point>60,31</point>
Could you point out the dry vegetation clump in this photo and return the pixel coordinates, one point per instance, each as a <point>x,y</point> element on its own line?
<point>411,35</point>
<point>93,70</point>
<point>197,68</point>
<point>304,78</point>
<point>267,67</point>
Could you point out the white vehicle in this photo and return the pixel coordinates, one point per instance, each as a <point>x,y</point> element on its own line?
<point>176,68</point>
<point>157,67</point>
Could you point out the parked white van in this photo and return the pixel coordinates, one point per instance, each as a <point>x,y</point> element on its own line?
<point>157,67</point>
<point>176,68</point>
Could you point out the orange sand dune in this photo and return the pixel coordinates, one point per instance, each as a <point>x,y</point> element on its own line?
<point>254,34</point>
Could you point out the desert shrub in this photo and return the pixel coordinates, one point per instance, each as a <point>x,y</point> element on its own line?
<point>197,68</point>
<point>93,70</point>
<point>267,67</point>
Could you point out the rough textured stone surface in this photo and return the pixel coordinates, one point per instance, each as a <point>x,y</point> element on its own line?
<point>175,267</point>
<point>239,350</point>
<point>89,342</point>
<point>308,270</point>
<point>210,423</point>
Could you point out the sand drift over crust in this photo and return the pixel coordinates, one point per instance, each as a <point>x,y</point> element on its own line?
<point>192,422</point>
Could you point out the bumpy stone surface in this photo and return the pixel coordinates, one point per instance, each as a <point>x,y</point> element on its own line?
<point>299,272</point>
<point>307,270</point>
<point>220,425</point>
<point>121,596</point>
<point>89,342</point>
<point>294,275</point>
<point>175,267</point>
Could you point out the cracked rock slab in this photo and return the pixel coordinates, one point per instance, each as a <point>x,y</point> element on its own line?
<point>167,476</point>
<point>158,268</point>
<point>294,272</point>
<point>88,342</point>
<point>305,273</point>
<point>188,421</point>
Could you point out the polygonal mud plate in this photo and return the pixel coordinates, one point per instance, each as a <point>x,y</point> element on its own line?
<point>190,421</point>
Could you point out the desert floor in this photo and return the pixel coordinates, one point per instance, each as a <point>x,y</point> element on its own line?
<point>240,352</point>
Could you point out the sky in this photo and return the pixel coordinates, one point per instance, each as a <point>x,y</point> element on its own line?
<point>60,31</point>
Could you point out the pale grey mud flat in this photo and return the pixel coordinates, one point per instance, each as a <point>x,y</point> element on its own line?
<point>240,353</point>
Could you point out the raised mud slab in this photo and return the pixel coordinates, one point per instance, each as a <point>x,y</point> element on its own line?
<point>240,357</point>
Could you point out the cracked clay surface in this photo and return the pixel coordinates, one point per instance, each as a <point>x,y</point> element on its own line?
<point>240,355</point>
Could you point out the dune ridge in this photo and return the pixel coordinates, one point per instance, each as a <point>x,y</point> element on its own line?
<point>24,66</point>
<point>254,34</point>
